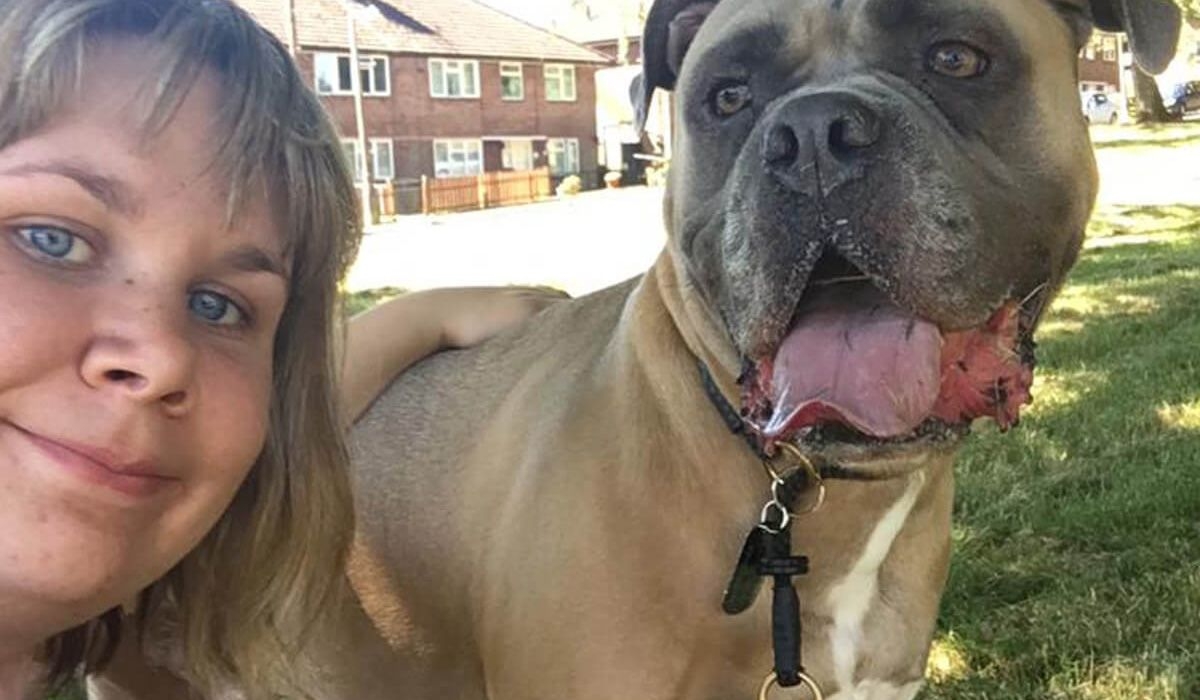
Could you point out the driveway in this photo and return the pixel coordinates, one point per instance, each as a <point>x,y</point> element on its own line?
<point>579,244</point>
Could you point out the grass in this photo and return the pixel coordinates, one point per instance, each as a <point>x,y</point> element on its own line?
<point>358,302</point>
<point>1173,134</point>
<point>1076,572</point>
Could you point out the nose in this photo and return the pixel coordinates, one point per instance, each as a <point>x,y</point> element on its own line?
<point>816,143</point>
<point>144,359</point>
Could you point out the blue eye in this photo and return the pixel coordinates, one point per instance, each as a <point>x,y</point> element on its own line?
<point>56,243</point>
<point>216,309</point>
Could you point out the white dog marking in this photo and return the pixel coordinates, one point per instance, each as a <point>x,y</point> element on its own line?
<point>879,690</point>
<point>851,598</point>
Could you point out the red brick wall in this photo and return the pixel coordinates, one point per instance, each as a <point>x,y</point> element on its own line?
<point>1099,71</point>
<point>413,118</point>
<point>1093,68</point>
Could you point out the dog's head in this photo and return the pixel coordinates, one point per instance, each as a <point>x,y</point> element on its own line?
<point>879,197</point>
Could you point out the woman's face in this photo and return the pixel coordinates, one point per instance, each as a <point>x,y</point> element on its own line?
<point>137,328</point>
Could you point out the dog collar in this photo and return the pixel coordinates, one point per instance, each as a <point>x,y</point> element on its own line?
<point>778,457</point>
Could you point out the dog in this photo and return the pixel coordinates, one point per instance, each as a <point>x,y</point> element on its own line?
<point>870,204</point>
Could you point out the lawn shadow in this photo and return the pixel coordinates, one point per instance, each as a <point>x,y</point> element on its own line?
<point>1124,220</point>
<point>1077,564</point>
<point>1148,143</point>
<point>1148,136</point>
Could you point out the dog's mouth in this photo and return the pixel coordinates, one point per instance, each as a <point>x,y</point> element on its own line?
<point>855,369</point>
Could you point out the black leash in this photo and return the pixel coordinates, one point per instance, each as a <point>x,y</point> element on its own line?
<point>767,551</point>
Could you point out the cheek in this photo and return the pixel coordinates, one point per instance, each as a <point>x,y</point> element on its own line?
<point>224,438</point>
<point>231,424</point>
<point>41,324</point>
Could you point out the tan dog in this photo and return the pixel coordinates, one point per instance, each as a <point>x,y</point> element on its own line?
<point>864,194</point>
<point>871,203</point>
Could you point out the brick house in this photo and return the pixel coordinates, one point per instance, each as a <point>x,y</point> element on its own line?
<point>1099,64</point>
<point>450,87</point>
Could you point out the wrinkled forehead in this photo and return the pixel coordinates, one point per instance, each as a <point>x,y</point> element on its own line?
<point>825,23</point>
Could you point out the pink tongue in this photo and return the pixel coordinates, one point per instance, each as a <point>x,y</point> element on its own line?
<point>856,357</point>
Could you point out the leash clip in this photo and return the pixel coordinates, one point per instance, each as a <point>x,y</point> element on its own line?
<point>774,526</point>
<point>813,478</point>
<point>806,681</point>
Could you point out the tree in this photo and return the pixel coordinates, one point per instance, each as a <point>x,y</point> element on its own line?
<point>1151,109</point>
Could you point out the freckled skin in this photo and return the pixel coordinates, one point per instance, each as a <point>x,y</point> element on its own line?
<point>103,353</point>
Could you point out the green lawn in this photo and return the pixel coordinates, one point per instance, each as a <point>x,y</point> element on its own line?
<point>1077,537</point>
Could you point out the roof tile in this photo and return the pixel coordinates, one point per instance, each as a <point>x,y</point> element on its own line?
<point>425,27</point>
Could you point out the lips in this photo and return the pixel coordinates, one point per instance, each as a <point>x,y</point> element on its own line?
<point>101,467</point>
<point>856,362</point>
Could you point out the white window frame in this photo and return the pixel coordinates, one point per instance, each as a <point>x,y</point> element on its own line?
<point>464,146</point>
<point>459,67</point>
<point>1108,49</point>
<point>568,150</point>
<point>378,146</point>
<point>558,73</point>
<point>512,70</point>
<point>323,59</point>
<point>374,145</point>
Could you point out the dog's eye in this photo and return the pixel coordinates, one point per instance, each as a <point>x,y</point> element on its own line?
<point>957,60</point>
<point>728,100</point>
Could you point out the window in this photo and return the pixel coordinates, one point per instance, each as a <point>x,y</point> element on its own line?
<point>560,82</point>
<point>457,158</point>
<point>383,164</point>
<point>512,81</point>
<point>517,155</point>
<point>453,78</point>
<point>1110,49</point>
<point>333,74</point>
<point>382,160</point>
<point>564,156</point>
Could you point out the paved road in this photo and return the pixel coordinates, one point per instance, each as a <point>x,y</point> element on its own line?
<point>579,244</point>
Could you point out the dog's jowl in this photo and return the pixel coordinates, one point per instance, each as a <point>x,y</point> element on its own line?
<point>871,204</point>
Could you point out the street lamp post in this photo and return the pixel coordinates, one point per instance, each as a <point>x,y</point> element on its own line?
<point>361,134</point>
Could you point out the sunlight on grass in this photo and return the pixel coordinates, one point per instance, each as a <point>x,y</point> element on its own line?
<point>947,661</point>
<point>1181,416</point>
<point>1054,392</point>
<point>1119,680</point>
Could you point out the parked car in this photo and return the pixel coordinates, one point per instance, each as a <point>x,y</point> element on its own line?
<point>1098,109</point>
<point>1183,98</point>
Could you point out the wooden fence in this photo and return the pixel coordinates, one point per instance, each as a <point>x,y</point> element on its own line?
<point>437,195</point>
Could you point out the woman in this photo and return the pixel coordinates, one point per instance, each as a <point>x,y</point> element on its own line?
<point>174,218</point>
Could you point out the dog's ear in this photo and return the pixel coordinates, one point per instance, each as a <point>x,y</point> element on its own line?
<point>1152,26</point>
<point>670,28</point>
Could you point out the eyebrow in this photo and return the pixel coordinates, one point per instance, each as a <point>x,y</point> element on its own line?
<point>111,192</point>
<point>250,258</point>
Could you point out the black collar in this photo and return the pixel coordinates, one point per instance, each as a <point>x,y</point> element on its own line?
<point>737,425</point>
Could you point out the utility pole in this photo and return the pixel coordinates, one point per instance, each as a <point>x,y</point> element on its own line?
<point>289,7</point>
<point>356,88</point>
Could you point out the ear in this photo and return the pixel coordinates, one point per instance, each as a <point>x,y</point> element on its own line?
<point>1152,27</point>
<point>670,28</point>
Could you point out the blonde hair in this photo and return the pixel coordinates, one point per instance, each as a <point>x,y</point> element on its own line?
<point>247,594</point>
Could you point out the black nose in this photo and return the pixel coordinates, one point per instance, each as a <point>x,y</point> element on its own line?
<point>819,142</point>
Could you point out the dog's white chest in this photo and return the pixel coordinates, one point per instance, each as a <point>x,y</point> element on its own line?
<point>852,598</point>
